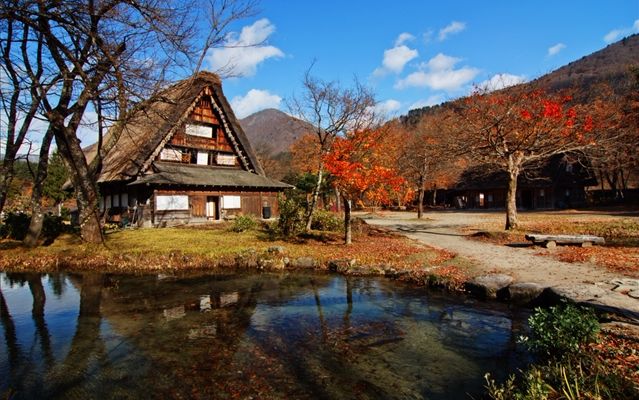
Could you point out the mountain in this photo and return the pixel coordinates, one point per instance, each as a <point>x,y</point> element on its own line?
<point>611,64</point>
<point>272,131</point>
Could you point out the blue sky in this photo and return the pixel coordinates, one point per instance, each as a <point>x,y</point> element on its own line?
<point>411,53</point>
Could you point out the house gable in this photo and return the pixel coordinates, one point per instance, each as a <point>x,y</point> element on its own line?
<point>203,136</point>
<point>131,146</point>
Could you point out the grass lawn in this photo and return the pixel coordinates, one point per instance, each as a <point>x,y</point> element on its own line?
<point>209,247</point>
<point>621,232</point>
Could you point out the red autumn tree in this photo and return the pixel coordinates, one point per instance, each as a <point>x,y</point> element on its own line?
<point>357,164</point>
<point>512,130</point>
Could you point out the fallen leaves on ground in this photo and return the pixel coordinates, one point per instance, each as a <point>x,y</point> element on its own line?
<point>618,259</point>
<point>619,352</point>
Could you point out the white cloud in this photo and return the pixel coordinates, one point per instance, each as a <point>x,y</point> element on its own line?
<point>500,81</point>
<point>403,38</point>
<point>388,107</point>
<point>397,57</point>
<point>255,100</point>
<point>619,33</point>
<point>431,101</point>
<point>556,49</point>
<point>439,73</point>
<point>442,62</point>
<point>241,54</point>
<point>452,28</point>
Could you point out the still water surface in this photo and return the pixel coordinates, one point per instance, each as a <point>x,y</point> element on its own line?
<point>247,336</point>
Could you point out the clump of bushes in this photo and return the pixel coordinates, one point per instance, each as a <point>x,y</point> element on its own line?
<point>16,226</point>
<point>566,368</point>
<point>292,215</point>
<point>243,223</point>
<point>561,330</point>
<point>327,221</point>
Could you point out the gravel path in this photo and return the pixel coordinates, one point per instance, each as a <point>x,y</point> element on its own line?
<point>585,282</point>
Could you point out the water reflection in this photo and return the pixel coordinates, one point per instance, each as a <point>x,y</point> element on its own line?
<point>245,335</point>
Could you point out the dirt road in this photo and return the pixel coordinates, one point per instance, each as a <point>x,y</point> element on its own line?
<point>444,230</point>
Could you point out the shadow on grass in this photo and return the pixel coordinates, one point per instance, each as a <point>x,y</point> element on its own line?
<point>10,245</point>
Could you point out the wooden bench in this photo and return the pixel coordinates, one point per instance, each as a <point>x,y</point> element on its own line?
<point>551,241</point>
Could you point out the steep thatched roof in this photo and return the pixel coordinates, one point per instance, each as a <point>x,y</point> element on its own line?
<point>173,174</point>
<point>130,146</point>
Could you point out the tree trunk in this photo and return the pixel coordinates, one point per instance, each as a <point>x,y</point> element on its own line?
<point>7,177</point>
<point>434,199</point>
<point>420,195</point>
<point>316,191</point>
<point>37,216</point>
<point>84,184</point>
<point>348,239</point>
<point>511,200</point>
<point>420,202</point>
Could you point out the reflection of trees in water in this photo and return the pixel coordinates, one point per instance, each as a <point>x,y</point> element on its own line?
<point>58,285</point>
<point>51,378</point>
<point>37,312</point>
<point>87,348</point>
<point>10,336</point>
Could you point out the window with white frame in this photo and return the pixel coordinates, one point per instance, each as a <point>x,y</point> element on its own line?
<point>171,155</point>
<point>167,203</point>
<point>199,130</point>
<point>225,159</point>
<point>231,202</point>
<point>203,158</point>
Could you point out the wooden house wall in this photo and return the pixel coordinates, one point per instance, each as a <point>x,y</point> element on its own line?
<point>251,204</point>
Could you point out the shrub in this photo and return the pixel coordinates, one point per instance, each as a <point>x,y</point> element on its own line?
<point>326,221</point>
<point>561,330</point>
<point>15,225</point>
<point>243,223</point>
<point>292,216</point>
<point>52,227</point>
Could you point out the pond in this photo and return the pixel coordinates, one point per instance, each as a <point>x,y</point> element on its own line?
<point>247,335</point>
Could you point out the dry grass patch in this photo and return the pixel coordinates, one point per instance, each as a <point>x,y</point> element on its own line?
<point>208,248</point>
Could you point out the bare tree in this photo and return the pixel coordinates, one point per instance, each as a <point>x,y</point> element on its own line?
<point>331,110</point>
<point>107,56</point>
<point>427,157</point>
<point>22,86</point>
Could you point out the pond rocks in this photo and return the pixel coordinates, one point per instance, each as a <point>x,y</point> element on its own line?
<point>304,263</point>
<point>276,250</point>
<point>341,265</point>
<point>522,293</point>
<point>487,286</point>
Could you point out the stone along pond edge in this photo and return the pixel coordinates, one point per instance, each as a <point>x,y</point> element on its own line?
<point>492,286</point>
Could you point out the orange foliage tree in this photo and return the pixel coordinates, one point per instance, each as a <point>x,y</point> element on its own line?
<point>357,164</point>
<point>512,130</point>
<point>426,158</point>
